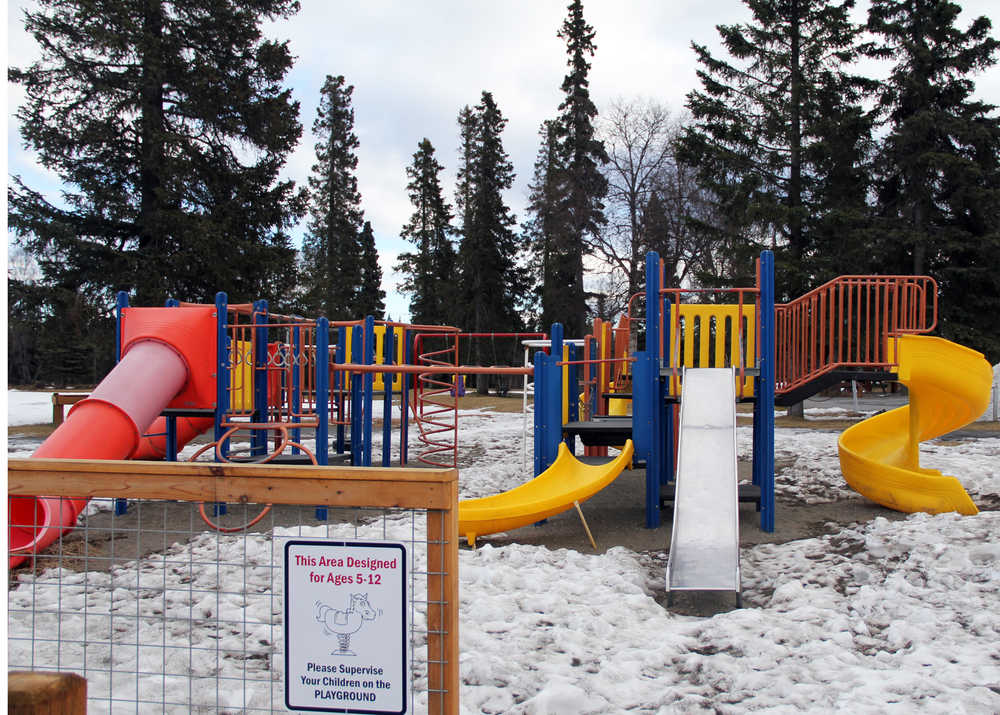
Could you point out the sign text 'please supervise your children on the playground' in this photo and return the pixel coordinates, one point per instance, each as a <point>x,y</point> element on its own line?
<point>346,638</point>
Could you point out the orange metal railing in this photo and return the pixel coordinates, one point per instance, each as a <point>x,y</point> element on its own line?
<point>848,323</point>
<point>435,398</point>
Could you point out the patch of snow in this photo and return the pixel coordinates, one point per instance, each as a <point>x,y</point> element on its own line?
<point>885,616</point>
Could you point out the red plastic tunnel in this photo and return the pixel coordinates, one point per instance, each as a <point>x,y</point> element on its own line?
<point>107,425</point>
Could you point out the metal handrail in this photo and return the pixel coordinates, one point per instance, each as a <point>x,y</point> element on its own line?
<point>848,322</point>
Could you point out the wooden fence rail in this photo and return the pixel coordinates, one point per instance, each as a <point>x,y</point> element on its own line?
<point>59,402</point>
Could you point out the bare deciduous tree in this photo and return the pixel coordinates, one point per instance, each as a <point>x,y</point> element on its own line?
<point>650,200</point>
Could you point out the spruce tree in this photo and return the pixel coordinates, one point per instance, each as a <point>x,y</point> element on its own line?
<point>580,181</point>
<point>167,124</point>
<point>371,297</point>
<point>939,178</point>
<point>544,227</point>
<point>331,247</point>
<point>464,180</point>
<point>772,127</point>
<point>491,283</point>
<point>429,271</point>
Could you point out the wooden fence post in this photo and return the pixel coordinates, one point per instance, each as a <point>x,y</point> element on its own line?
<point>34,693</point>
<point>57,410</point>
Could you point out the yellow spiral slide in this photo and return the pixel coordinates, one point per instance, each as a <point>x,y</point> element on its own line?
<point>949,387</point>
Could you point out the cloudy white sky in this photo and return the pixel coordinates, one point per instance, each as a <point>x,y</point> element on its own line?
<point>415,64</point>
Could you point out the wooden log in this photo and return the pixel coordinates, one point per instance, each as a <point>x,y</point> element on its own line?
<point>37,693</point>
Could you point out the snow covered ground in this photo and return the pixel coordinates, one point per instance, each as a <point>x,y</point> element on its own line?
<point>887,616</point>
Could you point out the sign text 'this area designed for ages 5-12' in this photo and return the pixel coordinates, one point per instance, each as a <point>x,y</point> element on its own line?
<point>346,637</point>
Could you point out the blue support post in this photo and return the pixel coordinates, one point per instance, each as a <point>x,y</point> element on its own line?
<point>541,425</point>
<point>388,353</point>
<point>258,438</point>
<point>764,393</point>
<point>121,302</point>
<point>668,467</point>
<point>322,391</point>
<point>357,399</point>
<point>654,459</point>
<point>553,398</point>
<point>171,440</point>
<point>341,383</point>
<point>222,368</point>
<point>369,384</point>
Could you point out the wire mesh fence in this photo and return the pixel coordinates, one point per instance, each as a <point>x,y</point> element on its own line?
<point>160,613</point>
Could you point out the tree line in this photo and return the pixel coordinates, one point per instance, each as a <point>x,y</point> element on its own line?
<point>168,125</point>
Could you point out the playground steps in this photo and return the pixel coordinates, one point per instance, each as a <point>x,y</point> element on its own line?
<point>704,542</point>
<point>668,371</point>
<point>289,458</point>
<point>829,379</point>
<point>746,494</point>
<point>601,432</point>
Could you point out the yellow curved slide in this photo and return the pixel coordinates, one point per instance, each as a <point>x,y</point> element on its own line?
<point>949,387</point>
<point>552,492</point>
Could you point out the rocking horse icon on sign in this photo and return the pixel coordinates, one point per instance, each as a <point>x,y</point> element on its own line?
<point>345,623</point>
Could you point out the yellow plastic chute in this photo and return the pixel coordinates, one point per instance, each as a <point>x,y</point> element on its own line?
<point>949,387</point>
<point>557,489</point>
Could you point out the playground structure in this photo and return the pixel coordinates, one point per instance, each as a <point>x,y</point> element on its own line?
<point>288,381</point>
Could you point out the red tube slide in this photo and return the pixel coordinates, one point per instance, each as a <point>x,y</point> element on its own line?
<point>107,425</point>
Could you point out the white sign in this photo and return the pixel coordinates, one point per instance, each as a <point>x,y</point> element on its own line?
<point>346,637</point>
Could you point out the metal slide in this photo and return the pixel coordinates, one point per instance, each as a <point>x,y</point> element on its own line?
<point>949,387</point>
<point>704,543</point>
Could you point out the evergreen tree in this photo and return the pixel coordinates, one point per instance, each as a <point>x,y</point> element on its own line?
<point>430,270</point>
<point>371,297</point>
<point>542,230</point>
<point>939,181</point>
<point>331,247</point>
<point>167,125</point>
<point>491,285</point>
<point>464,179</point>
<point>581,184</point>
<point>772,128</point>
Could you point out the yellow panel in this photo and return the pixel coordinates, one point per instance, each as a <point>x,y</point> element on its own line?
<point>400,349</point>
<point>241,376</point>
<point>681,350</point>
<point>949,387</point>
<point>379,343</point>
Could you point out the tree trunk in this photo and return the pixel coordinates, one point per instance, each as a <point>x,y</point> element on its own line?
<point>149,279</point>
<point>795,144</point>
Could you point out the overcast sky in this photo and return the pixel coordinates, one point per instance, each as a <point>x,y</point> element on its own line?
<point>415,63</point>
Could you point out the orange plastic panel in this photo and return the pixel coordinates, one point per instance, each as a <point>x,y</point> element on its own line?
<point>191,331</point>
